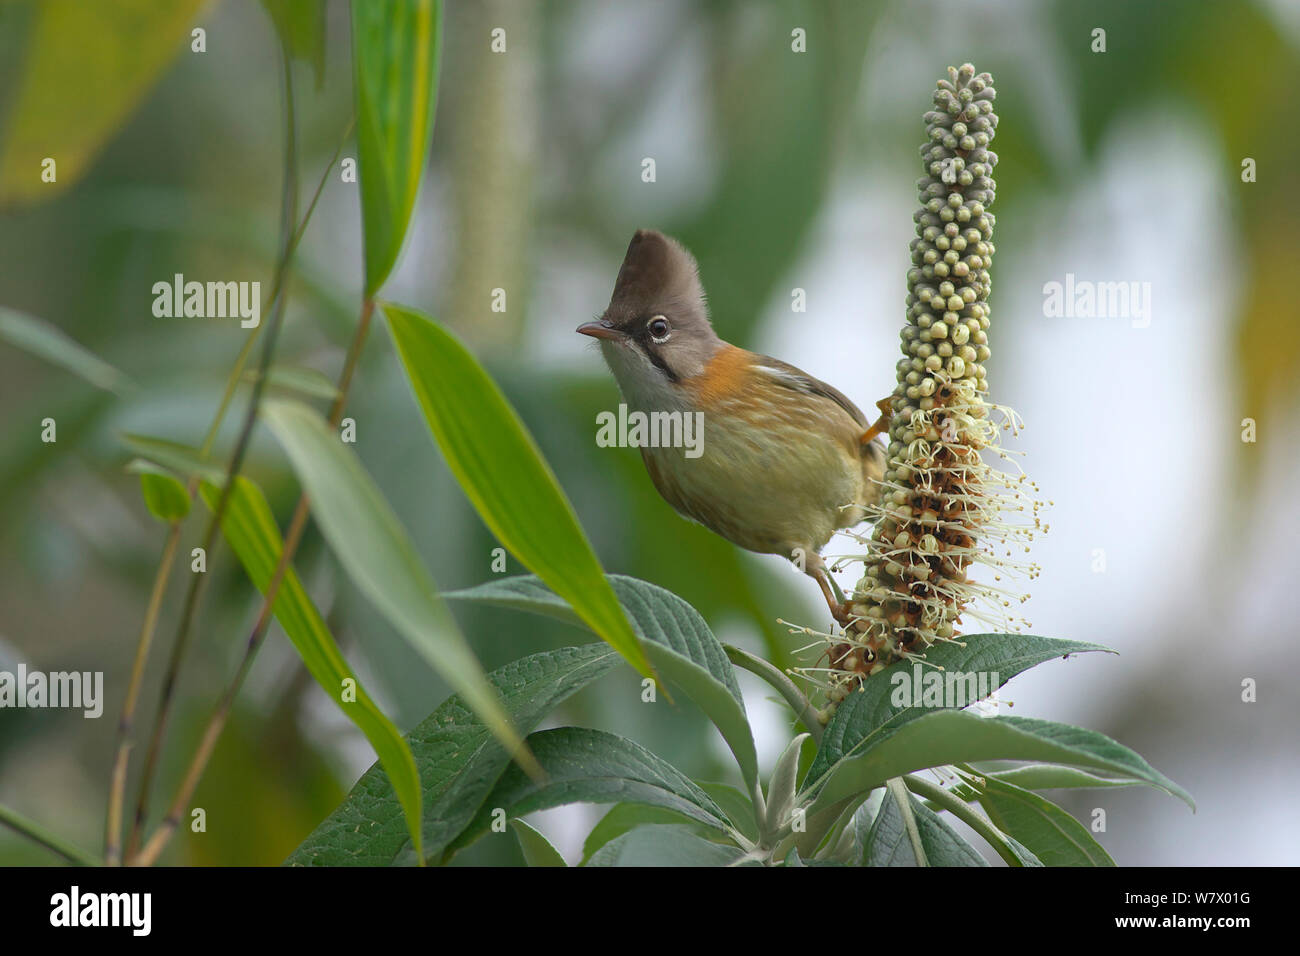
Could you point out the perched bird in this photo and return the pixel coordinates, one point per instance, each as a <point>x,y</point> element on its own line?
<point>786,460</point>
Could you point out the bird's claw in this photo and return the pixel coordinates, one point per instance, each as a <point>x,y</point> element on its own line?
<point>882,423</point>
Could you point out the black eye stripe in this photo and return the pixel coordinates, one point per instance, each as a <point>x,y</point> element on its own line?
<point>658,362</point>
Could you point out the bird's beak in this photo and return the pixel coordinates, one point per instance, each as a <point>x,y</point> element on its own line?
<point>600,330</point>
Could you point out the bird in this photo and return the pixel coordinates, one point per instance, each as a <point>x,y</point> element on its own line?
<point>785,460</point>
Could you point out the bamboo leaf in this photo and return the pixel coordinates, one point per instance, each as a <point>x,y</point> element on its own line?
<point>250,528</point>
<point>372,546</point>
<point>504,475</point>
<point>47,341</point>
<point>395,59</point>
<point>86,67</point>
<point>164,494</point>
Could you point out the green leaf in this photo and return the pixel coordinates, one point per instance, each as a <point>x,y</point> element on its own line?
<point>1051,777</point>
<point>851,848</point>
<point>1042,776</point>
<point>896,837</point>
<point>250,528</point>
<point>537,849</point>
<point>304,381</point>
<point>164,495</point>
<point>623,817</point>
<point>47,341</point>
<point>739,808</point>
<point>937,798</point>
<point>85,67</point>
<point>952,736</point>
<point>1053,835</point>
<point>665,846</point>
<point>372,546</point>
<point>590,766</point>
<point>890,842</point>
<point>301,26</point>
<point>459,762</point>
<point>677,641</point>
<point>395,55</point>
<point>873,712</point>
<point>781,785</point>
<point>175,457</point>
<point>504,475</point>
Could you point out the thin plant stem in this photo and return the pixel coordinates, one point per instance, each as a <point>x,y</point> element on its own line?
<point>38,834</point>
<point>216,723</point>
<point>117,791</point>
<point>799,703</point>
<point>289,217</point>
<point>232,382</point>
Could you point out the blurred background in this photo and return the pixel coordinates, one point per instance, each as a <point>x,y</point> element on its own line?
<point>1172,539</point>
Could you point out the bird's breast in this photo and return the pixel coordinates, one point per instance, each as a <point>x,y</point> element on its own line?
<point>771,473</point>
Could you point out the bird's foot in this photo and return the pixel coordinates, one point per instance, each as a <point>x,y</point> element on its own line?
<point>881,426</point>
<point>840,610</point>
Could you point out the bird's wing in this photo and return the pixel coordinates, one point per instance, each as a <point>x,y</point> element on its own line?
<point>785,374</point>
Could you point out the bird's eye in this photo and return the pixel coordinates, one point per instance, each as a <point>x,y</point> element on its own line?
<point>659,329</point>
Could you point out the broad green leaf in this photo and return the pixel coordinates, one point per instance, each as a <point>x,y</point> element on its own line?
<point>46,341</point>
<point>372,546</point>
<point>85,67</point>
<point>872,712</point>
<point>794,859</point>
<point>953,736</point>
<point>675,637</point>
<point>459,762</point>
<point>250,528</point>
<point>175,457</point>
<point>301,26</point>
<point>1042,776</point>
<point>164,495</point>
<point>395,54</point>
<point>852,845</point>
<point>739,808</point>
<point>536,848</point>
<point>590,766</point>
<point>819,822</point>
<point>665,846</point>
<point>1053,835</point>
<point>895,836</point>
<point>504,475</point>
<point>623,817</point>
<point>888,843</point>
<point>936,799</point>
<point>304,381</point>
